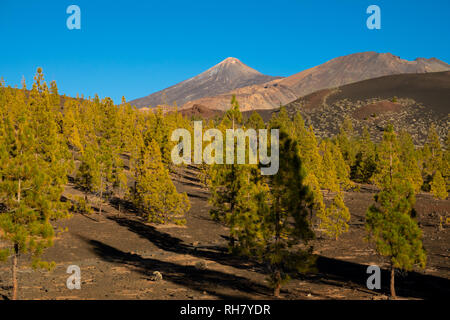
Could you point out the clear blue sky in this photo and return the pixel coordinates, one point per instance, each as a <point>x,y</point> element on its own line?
<point>136,47</point>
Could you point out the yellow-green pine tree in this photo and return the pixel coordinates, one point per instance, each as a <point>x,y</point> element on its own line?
<point>410,161</point>
<point>347,141</point>
<point>438,187</point>
<point>365,162</point>
<point>286,218</point>
<point>342,168</point>
<point>155,195</point>
<point>432,155</point>
<point>329,174</point>
<point>34,166</point>
<point>390,222</point>
<point>335,221</point>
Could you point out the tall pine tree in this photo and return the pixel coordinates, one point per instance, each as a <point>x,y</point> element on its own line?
<point>391,222</point>
<point>34,165</point>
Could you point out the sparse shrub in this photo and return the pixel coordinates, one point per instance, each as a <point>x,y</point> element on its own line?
<point>157,276</point>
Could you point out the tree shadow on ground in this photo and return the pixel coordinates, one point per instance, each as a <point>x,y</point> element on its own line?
<point>410,284</point>
<point>169,243</point>
<point>197,195</point>
<point>210,281</point>
<point>123,206</point>
<point>330,271</point>
<point>7,295</point>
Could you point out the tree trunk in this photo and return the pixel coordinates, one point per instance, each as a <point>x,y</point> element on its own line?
<point>101,196</point>
<point>232,242</point>
<point>277,287</point>
<point>14,271</point>
<point>16,250</point>
<point>19,191</point>
<point>393,295</point>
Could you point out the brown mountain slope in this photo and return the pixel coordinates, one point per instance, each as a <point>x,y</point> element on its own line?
<point>339,71</point>
<point>223,77</point>
<point>430,89</point>
<point>199,111</point>
<point>408,101</point>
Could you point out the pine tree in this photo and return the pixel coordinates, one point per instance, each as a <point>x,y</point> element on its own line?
<point>316,202</point>
<point>159,129</point>
<point>432,156</point>
<point>390,221</point>
<point>34,165</point>
<point>204,168</point>
<point>311,161</point>
<point>438,187</point>
<point>267,215</point>
<point>347,142</point>
<point>235,190</point>
<point>446,162</point>
<point>341,167</point>
<point>224,187</point>
<point>88,174</point>
<point>281,120</point>
<point>155,195</point>
<point>309,151</point>
<point>233,116</point>
<point>226,184</point>
<point>410,161</point>
<point>255,121</point>
<point>446,169</point>
<point>238,206</point>
<point>108,158</point>
<point>336,217</point>
<point>365,164</point>
<point>71,126</point>
<point>286,223</point>
<point>329,174</point>
<point>55,100</point>
<point>388,158</point>
<point>119,179</point>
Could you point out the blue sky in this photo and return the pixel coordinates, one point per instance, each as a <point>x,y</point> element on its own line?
<point>134,48</point>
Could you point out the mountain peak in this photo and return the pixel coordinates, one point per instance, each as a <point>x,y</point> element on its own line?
<point>227,75</point>
<point>231,60</point>
<point>231,69</point>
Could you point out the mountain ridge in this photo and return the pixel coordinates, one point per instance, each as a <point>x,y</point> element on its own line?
<point>410,102</point>
<point>333,73</point>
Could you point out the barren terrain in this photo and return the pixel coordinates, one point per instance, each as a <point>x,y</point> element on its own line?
<point>119,252</point>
